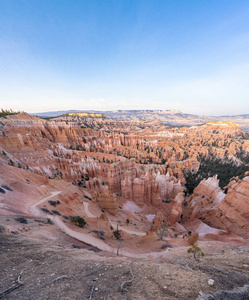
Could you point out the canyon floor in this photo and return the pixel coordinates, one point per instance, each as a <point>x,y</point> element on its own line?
<point>164,189</point>
<point>52,270</point>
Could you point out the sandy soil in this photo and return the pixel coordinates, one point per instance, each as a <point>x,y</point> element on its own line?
<point>45,251</point>
<point>174,277</point>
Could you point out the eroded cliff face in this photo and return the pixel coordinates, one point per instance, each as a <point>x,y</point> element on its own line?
<point>143,162</point>
<point>206,198</point>
<point>142,186</point>
<point>61,143</point>
<point>176,214</point>
<point>106,201</point>
<point>233,211</point>
<point>224,211</point>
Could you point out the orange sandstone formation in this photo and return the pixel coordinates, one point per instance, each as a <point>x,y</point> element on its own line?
<point>106,201</point>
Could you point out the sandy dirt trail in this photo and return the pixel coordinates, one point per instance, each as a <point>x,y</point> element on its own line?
<point>129,231</point>
<point>84,237</point>
<point>36,212</point>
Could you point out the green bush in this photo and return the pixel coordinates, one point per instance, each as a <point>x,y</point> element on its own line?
<point>79,221</point>
<point>196,251</point>
<point>117,234</point>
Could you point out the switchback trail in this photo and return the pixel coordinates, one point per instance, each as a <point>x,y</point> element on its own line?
<point>84,237</point>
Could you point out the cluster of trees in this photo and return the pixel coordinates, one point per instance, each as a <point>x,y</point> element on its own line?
<point>243,156</point>
<point>6,112</point>
<point>210,166</point>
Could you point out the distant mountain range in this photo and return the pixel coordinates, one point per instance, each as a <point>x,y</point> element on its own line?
<point>174,117</point>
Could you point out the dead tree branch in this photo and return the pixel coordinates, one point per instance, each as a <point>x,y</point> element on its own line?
<point>91,294</point>
<point>58,278</point>
<point>13,287</point>
<point>126,282</point>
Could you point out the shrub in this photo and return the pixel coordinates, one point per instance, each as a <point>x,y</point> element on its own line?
<point>6,188</point>
<point>117,234</point>
<point>196,251</point>
<point>22,220</point>
<point>76,246</point>
<point>2,191</point>
<point>52,203</point>
<point>166,245</point>
<point>79,221</point>
<point>162,230</point>
<point>49,221</point>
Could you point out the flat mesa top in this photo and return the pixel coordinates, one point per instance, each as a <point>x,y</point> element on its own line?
<point>85,114</point>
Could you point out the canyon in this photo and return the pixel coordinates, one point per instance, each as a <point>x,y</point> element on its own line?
<point>154,183</point>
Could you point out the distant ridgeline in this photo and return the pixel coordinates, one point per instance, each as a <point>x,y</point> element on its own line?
<point>173,117</point>
<point>75,115</point>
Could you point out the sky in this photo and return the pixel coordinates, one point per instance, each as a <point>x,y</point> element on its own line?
<point>187,55</point>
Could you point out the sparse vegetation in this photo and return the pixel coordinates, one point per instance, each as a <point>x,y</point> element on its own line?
<point>210,166</point>
<point>49,221</point>
<point>162,230</point>
<point>52,203</point>
<point>22,220</point>
<point>2,191</point>
<point>56,212</point>
<point>6,112</point>
<point>197,252</point>
<point>45,210</point>
<point>6,187</point>
<point>79,221</point>
<point>117,234</point>
<point>166,245</point>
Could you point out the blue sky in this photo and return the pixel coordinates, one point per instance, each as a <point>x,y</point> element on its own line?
<point>125,54</point>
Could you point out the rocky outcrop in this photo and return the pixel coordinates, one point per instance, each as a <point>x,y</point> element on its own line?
<point>158,221</point>
<point>233,211</point>
<point>224,211</point>
<point>188,165</point>
<point>149,238</point>
<point>206,198</point>
<point>176,211</point>
<point>106,201</point>
<point>150,188</point>
<point>193,238</point>
<point>123,170</point>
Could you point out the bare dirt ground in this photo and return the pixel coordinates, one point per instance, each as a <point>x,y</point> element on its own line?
<point>54,270</point>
